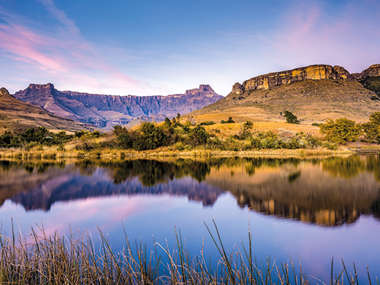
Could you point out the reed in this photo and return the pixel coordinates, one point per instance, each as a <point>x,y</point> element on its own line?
<point>58,259</point>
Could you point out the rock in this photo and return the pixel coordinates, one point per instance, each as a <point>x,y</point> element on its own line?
<point>372,71</point>
<point>342,72</point>
<point>312,72</point>
<point>238,89</point>
<point>4,92</point>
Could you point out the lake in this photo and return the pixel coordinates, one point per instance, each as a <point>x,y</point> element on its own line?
<point>304,211</point>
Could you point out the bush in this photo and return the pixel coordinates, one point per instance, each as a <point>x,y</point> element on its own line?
<point>198,136</point>
<point>375,118</point>
<point>371,132</point>
<point>207,123</point>
<point>266,140</point>
<point>245,131</point>
<point>291,118</point>
<point>340,131</point>
<point>229,121</point>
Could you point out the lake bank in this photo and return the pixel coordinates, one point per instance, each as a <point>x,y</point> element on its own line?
<point>117,154</point>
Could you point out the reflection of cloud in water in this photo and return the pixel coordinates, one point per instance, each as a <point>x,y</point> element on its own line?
<point>91,213</point>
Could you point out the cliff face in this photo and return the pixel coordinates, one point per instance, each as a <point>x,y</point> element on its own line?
<point>271,80</point>
<point>106,110</point>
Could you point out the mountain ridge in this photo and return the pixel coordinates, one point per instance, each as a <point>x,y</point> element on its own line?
<point>107,110</point>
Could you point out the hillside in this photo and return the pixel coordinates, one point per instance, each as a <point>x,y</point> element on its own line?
<point>18,115</point>
<point>105,110</point>
<point>314,93</point>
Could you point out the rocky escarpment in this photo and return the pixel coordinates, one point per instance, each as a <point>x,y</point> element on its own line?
<point>106,110</point>
<point>271,80</point>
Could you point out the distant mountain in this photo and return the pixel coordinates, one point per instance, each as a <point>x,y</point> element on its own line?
<point>314,93</point>
<point>18,115</point>
<point>104,111</point>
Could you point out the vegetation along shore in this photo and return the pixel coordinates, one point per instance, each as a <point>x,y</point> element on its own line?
<point>182,138</point>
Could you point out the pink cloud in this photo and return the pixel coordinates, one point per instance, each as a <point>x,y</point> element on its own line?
<point>309,34</point>
<point>65,56</point>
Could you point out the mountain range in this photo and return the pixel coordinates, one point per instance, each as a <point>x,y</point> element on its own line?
<point>105,111</point>
<point>314,93</point>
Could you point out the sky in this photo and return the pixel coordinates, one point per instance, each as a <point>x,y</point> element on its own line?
<point>150,47</point>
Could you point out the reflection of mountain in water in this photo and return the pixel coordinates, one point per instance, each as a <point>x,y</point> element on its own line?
<point>330,192</point>
<point>130,177</point>
<point>326,192</point>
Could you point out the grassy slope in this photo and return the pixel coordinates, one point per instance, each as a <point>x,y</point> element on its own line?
<point>311,101</point>
<point>17,115</point>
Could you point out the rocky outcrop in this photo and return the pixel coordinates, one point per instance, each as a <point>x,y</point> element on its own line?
<point>312,72</point>
<point>372,71</point>
<point>4,92</point>
<point>105,110</point>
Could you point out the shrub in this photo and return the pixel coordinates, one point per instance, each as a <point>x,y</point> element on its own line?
<point>371,132</point>
<point>198,136</point>
<point>375,118</point>
<point>207,123</point>
<point>266,140</point>
<point>149,136</point>
<point>229,121</point>
<point>340,131</point>
<point>245,131</point>
<point>291,118</point>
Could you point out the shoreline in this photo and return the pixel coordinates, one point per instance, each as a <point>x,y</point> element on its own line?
<point>118,154</point>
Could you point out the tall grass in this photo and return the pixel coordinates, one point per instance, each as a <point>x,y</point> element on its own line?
<point>63,260</point>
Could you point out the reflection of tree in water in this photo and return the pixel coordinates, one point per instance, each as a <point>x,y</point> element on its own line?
<point>151,172</point>
<point>30,166</point>
<point>344,167</point>
<point>352,166</point>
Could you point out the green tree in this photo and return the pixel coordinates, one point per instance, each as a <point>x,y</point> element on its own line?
<point>340,131</point>
<point>150,137</point>
<point>291,118</point>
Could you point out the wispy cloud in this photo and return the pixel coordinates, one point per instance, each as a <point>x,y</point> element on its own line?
<point>65,56</point>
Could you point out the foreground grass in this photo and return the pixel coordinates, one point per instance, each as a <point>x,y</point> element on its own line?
<point>62,260</point>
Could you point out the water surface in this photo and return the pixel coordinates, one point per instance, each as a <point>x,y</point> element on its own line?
<point>304,211</point>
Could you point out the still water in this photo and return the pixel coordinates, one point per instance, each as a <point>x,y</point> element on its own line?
<point>302,211</point>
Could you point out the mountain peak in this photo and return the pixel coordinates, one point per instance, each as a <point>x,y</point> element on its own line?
<point>49,86</point>
<point>203,89</point>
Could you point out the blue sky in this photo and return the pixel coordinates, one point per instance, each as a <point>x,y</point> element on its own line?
<point>147,47</point>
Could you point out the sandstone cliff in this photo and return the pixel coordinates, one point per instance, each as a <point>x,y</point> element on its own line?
<point>106,110</point>
<point>313,72</point>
